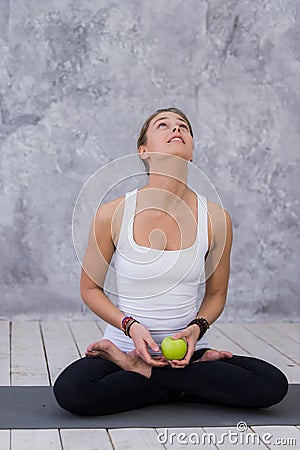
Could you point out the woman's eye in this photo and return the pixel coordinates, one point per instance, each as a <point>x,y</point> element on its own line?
<point>184,126</point>
<point>162,123</point>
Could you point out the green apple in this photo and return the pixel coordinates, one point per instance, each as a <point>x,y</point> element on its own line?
<point>173,348</point>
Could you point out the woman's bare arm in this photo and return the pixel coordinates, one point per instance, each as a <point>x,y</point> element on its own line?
<point>96,261</point>
<point>217,266</point>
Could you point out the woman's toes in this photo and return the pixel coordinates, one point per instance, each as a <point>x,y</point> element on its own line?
<point>215,355</point>
<point>207,355</point>
<point>90,347</point>
<point>226,354</point>
<point>103,345</point>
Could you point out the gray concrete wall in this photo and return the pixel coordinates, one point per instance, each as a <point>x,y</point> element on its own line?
<point>77,80</point>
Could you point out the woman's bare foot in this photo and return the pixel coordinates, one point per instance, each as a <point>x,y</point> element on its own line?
<point>214,355</point>
<point>127,361</point>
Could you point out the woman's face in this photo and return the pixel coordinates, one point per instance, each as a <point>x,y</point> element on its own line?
<point>169,133</point>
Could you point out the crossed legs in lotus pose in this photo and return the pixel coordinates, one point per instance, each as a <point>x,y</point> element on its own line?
<point>110,381</point>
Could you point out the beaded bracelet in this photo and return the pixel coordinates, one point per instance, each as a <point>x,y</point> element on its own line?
<point>202,324</point>
<point>124,322</point>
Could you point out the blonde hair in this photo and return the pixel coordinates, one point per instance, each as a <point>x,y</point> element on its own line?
<point>142,139</point>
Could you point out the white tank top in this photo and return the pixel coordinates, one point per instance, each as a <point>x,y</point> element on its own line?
<point>157,287</point>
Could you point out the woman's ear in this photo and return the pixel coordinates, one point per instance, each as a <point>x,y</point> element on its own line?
<point>143,152</point>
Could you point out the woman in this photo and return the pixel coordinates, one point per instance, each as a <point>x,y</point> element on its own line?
<point>163,242</point>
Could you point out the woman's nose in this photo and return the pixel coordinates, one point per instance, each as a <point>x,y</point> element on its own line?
<point>174,129</point>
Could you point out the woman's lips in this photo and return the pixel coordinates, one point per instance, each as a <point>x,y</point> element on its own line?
<point>176,139</point>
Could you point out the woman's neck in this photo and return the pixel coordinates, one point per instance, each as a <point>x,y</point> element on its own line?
<point>166,191</point>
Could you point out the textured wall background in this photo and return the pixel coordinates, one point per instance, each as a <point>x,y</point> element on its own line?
<point>77,80</point>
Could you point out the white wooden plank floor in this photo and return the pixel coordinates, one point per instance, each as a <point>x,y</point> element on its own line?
<point>34,353</point>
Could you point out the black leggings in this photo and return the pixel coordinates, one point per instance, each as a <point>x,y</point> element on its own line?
<point>96,386</point>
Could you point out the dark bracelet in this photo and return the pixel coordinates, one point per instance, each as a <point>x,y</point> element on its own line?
<point>202,324</point>
<point>128,325</point>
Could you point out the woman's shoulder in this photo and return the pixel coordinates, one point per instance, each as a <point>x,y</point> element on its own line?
<point>215,209</point>
<point>219,221</point>
<point>110,213</point>
<point>108,208</point>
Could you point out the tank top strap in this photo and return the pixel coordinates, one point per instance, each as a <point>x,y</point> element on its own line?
<point>128,216</point>
<point>203,230</point>
<point>202,220</point>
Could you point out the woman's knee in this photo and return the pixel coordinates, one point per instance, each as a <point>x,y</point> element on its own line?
<point>66,391</point>
<point>269,387</point>
<point>276,388</point>
<point>76,396</point>
<point>72,386</point>
<point>266,384</point>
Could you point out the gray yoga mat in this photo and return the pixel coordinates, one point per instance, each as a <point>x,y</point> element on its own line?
<point>35,407</point>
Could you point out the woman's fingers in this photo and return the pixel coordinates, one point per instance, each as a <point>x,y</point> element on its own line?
<point>142,340</point>
<point>158,363</point>
<point>153,345</point>
<point>142,351</point>
<point>159,358</point>
<point>153,361</point>
<point>146,355</point>
<point>177,364</point>
<point>180,363</point>
<point>177,336</point>
<point>149,360</point>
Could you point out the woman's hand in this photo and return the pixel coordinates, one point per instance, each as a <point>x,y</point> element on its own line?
<point>142,338</point>
<point>190,335</point>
